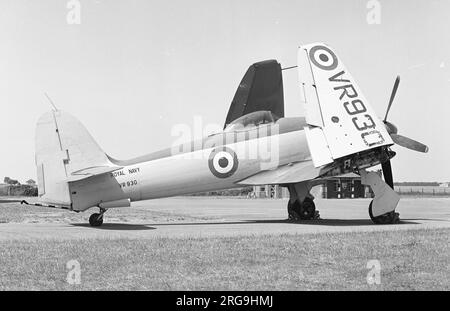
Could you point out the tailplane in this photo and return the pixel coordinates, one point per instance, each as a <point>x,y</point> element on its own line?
<point>64,148</point>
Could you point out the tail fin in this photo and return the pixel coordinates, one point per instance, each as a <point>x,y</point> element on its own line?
<point>63,146</point>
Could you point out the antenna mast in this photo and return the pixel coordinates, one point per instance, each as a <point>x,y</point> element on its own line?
<point>51,102</point>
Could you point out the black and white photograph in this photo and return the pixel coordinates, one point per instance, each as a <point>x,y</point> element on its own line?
<point>225,151</point>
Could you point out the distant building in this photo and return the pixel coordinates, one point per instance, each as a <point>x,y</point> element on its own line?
<point>346,186</point>
<point>444,185</point>
<point>270,191</point>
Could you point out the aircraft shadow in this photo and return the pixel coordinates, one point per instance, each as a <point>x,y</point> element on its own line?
<point>116,226</point>
<point>319,222</point>
<point>346,222</point>
<point>427,219</point>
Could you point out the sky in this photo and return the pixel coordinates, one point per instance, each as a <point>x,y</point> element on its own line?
<point>132,70</point>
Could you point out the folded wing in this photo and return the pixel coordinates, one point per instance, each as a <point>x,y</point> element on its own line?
<point>261,89</point>
<point>340,118</point>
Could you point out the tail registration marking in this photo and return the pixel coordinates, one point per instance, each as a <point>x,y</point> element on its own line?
<point>325,59</point>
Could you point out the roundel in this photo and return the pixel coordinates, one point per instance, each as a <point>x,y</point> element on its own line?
<point>223,162</point>
<point>323,57</point>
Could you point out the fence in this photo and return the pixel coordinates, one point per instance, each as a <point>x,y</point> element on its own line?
<point>423,190</point>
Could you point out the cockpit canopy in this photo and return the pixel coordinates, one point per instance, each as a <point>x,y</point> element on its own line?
<point>251,120</point>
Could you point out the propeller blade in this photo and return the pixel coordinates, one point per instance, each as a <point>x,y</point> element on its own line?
<point>387,173</point>
<point>394,91</point>
<point>409,143</point>
<point>391,128</point>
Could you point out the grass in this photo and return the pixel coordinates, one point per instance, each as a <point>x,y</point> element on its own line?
<point>21,213</point>
<point>410,260</point>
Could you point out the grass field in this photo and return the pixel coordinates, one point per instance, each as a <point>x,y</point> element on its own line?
<point>409,260</point>
<point>21,213</point>
<point>416,259</point>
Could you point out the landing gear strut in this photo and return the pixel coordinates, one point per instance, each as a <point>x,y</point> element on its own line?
<point>388,218</point>
<point>382,207</point>
<point>96,219</point>
<point>301,205</point>
<point>302,211</point>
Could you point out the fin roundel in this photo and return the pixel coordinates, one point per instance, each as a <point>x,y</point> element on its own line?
<point>223,162</point>
<point>323,57</point>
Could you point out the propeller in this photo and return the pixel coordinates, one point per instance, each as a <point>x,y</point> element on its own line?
<point>391,100</point>
<point>392,129</point>
<point>398,139</point>
<point>409,143</point>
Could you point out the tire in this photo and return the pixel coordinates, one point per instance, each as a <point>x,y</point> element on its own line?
<point>307,209</point>
<point>388,218</point>
<point>291,209</point>
<point>375,220</point>
<point>304,211</point>
<point>95,221</point>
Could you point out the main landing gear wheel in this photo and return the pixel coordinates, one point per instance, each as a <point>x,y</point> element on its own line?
<point>96,220</point>
<point>303,211</point>
<point>388,218</point>
<point>292,214</point>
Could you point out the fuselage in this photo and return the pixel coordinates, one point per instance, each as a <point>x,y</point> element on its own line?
<point>216,162</point>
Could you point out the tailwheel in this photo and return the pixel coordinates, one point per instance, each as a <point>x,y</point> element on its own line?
<point>302,211</point>
<point>96,219</point>
<point>388,218</point>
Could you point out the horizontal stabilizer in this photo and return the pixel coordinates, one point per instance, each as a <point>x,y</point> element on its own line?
<point>92,171</point>
<point>10,201</point>
<point>287,174</point>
